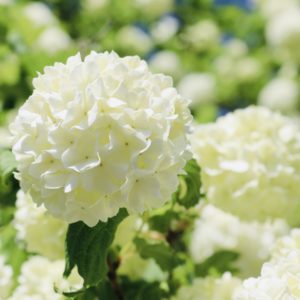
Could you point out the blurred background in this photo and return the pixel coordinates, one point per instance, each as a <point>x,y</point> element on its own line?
<point>222,54</point>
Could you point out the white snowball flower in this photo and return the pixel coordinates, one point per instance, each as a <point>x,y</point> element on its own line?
<point>100,134</point>
<point>53,39</point>
<point>39,276</point>
<point>236,48</point>
<point>42,233</point>
<point>165,29</point>
<point>39,14</point>
<point>134,39</point>
<point>6,278</point>
<point>5,138</point>
<point>154,8</point>
<point>166,62</point>
<point>280,278</point>
<point>199,87</point>
<point>248,69</point>
<point>280,94</point>
<point>210,288</point>
<point>283,34</point>
<point>203,35</point>
<point>216,230</point>
<point>270,8</point>
<point>250,164</point>
<point>95,4</point>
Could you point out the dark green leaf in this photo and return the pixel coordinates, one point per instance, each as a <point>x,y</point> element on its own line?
<point>219,262</point>
<point>141,290</point>
<point>188,193</point>
<point>87,248</point>
<point>161,252</point>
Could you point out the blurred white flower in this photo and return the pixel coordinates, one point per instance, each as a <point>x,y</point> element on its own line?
<point>164,29</point>
<point>39,14</point>
<point>198,87</point>
<point>38,278</point>
<point>5,138</point>
<point>210,288</point>
<point>216,230</point>
<point>203,35</point>
<point>100,134</point>
<point>236,48</point>
<point>280,94</point>
<point>6,278</point>
<point>250,164</point>
<point>270,8</point>
<point>154,8</point>
<point>53,39</point>
<point>166,62</point>
<point>42,233</point>
<point>95,4</point>
<point>248,69</point>
<point>283,34</point>
<point>280,278</point>
<point>134,39</point>
<point>6,2</point>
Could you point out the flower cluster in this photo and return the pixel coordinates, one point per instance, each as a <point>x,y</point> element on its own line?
<point>100,134</point>
<point>210,288</point>
<point>39,276</point>
<point>6,276</point>
<point>250,164</point>
<point>216,230</point>
<point>280,278</point>
<point>42,233</point>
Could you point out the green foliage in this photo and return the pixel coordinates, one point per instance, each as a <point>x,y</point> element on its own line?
<point>87,248</point>
<point>159,251</point>
<point>218,263</point>
<point>7,166</point>
<point>188,193</point>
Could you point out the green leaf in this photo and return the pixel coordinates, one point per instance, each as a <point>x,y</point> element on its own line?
<point>141,290</point>
<point>160,251</point>
<point>219,263</point>
<point>188,194</point>
<point>7,165</point>
<point>87,248</point>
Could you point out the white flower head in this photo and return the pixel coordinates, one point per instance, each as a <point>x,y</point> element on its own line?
<point>39,277</point>
<point>134,39</point>
<point>216,230</point>
<point>100,134</point>
<point>210,288</point>
<point>6,278</point>
<point>39,14</point>
<point>53,39</point>
<point>250,164</point>
<point>280,94</point>
<point>200,88</point>
<point>42,233</point>
<point>283,34</point>
<point>165,29</point>
<point>166,62</point>
<point>203,35</point>
<point>280,277</point>
<point>154,8</point>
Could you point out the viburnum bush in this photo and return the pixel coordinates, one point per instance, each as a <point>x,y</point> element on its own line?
<point>123,197</point>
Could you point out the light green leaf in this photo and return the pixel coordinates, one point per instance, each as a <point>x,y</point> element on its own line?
<point>160,251</point>
<point>188,194</point>
<point>7,165</point>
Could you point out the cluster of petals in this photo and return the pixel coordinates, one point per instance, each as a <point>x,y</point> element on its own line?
<point>217,230</point>
<point>210,288</point>
<point>280,277</point>
<point>41,279</point>
<point>250,164</point>
<point>42,233</point>
<point>99,134</point>
<point>6,278</point>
